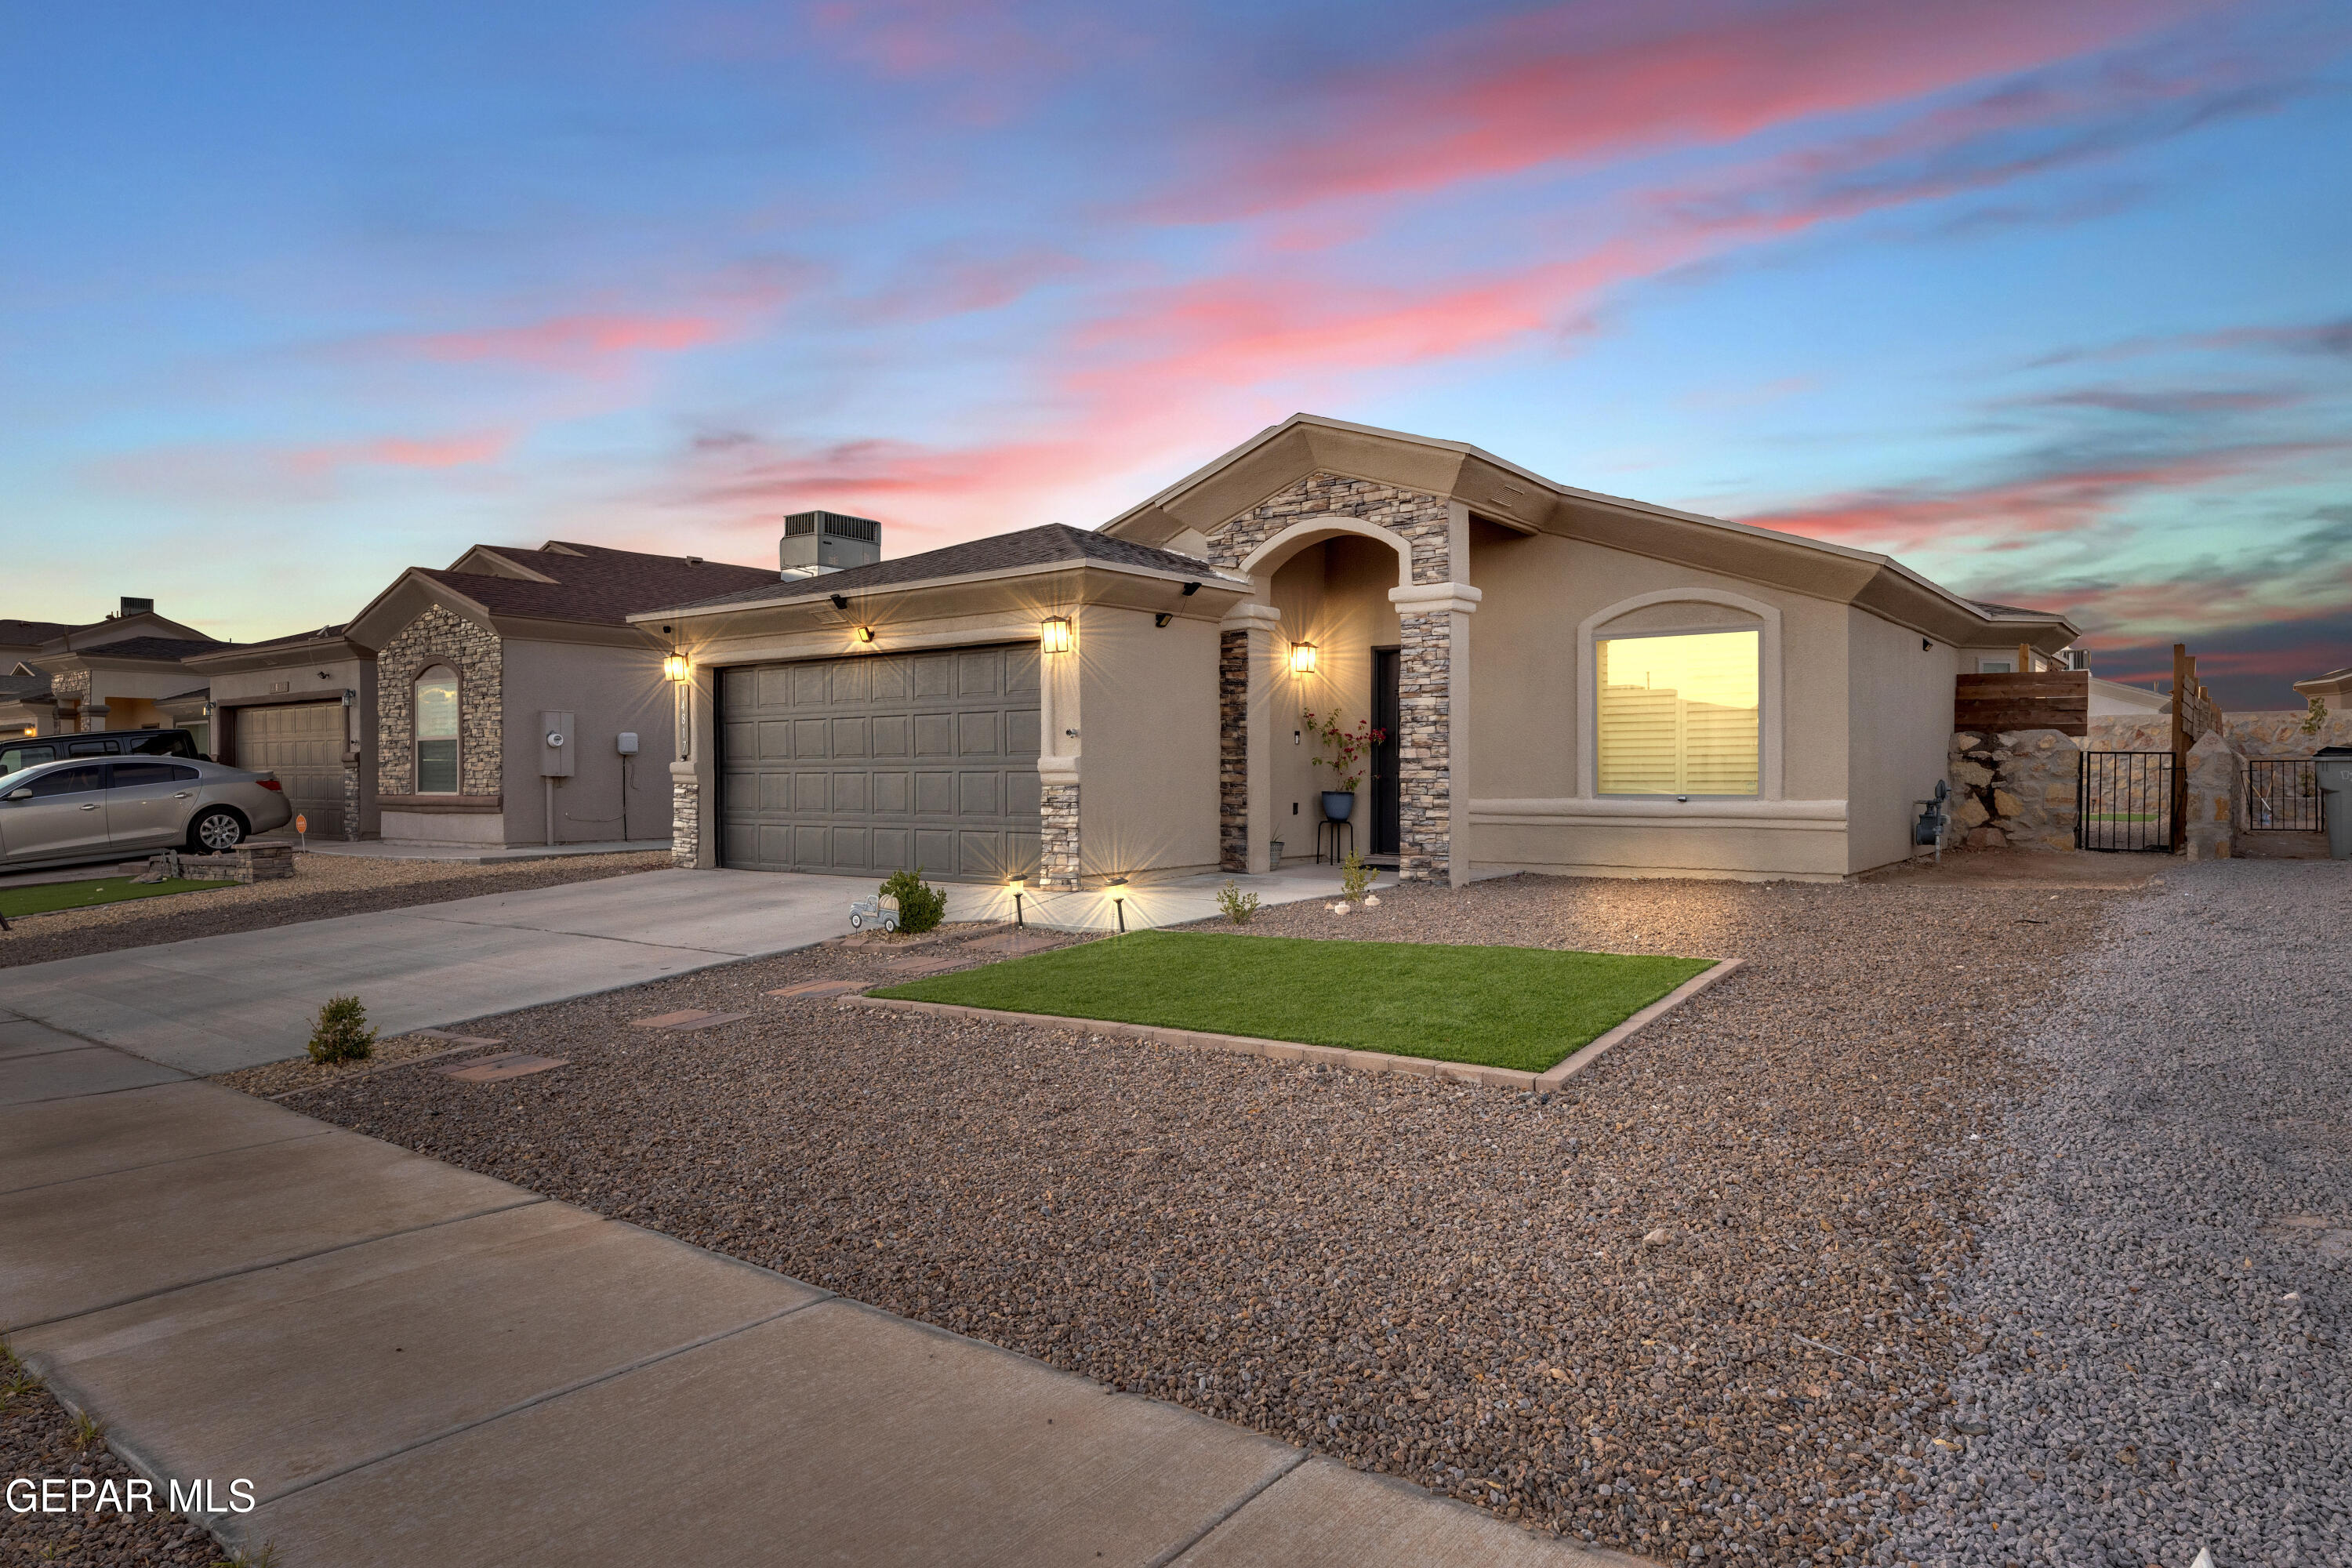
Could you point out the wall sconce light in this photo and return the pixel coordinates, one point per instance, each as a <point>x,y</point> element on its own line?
<point>1054,634</point>
<point>1302,658</point>
<point>864,634</point>
<point>675,666</point>
<point>1118,901</point>
<point>1162,618</point>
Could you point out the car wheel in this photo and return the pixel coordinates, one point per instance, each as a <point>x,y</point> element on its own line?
<point>215,831</point>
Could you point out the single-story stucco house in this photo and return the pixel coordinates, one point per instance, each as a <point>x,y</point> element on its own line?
<point>1571,682</point>
<point>509,693</point>
<point>298,706</point>
<point>114,674</point>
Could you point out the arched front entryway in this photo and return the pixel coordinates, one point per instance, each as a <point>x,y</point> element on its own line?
<point>1396,550</point>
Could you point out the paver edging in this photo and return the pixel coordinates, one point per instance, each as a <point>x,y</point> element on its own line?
<point>1328,1056</point>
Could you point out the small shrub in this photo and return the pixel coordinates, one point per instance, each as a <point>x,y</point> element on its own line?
<point>1238,906</point>
<point>88,1431</point>
<point>921,907</point>
<point>1355,876</point>
<point>2316,719</point>
<point>342,1035</point>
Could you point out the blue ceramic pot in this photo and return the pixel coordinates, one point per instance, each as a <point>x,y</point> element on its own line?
<point>1338,804</point>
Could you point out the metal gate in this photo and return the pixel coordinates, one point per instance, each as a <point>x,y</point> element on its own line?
<point>2282,797</point>
<point>2123,800</point>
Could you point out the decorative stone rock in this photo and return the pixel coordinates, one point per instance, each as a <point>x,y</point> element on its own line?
<point>1057,846</point>
<point>2217,798</point>
<point>685,815</point>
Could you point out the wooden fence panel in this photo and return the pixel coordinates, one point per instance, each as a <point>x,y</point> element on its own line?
<point>2055,699</point>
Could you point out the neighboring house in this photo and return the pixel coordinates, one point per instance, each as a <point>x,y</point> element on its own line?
<point>295,706</point>
<point>2114,699</point>
<point>112,674</point>
<point>1571,682</point>
<point>476,664</point>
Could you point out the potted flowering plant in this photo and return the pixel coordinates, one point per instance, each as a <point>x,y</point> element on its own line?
<point>1348,750</point>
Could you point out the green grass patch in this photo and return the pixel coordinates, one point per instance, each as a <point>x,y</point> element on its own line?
<point>1525,1007</point>
<point>48,898</point>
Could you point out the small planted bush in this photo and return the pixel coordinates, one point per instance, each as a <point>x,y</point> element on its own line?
<point>1238,906</point>
<point>1355,878</point>
<point>342,1035</point>
<point>921,907</point>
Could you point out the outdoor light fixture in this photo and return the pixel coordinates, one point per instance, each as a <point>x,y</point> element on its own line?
<point>1017,885</point>
<point>1190,589</point>
<point>1054,634</point>
<point>675,666</point>
<point>864,633</point>
<point>841,601</point>
<point>1118,901</point>
<point>1162,618</point>
<point>1302,658</point>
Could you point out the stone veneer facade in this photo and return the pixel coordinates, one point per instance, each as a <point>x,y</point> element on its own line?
<point>1424,746</point>
<point>1233,751</point>
<point>1057,845</point>
<point>437,636</point>
<point>685,816</point>
<point>2018,790</point>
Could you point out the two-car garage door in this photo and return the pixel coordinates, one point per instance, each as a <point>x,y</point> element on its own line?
<point>302,743</point>
<point>867,764</point>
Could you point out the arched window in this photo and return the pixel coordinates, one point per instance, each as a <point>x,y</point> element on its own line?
<point>437,731</point>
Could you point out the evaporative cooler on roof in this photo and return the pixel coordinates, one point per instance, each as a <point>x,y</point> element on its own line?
<point>818,541</point>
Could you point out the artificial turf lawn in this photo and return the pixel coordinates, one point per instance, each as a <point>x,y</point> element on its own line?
<point>47,898</point>
<point>1525,1007</point>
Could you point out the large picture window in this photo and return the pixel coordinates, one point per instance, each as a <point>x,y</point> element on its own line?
<point>1678,714</point>
<point>437,732</point>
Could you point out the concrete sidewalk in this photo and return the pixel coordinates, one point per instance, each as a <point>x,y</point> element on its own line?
<point>412,1363</point>
<point>221,1003</point>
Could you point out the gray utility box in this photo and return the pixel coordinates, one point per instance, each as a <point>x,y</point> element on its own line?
<point>828,541</point>
<point>2334,766</point>
<point>556,744</point>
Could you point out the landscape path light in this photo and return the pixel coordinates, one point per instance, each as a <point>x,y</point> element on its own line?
<point>1118,901</point>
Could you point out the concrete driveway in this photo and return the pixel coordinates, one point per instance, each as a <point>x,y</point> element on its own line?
<point>221,1003</point>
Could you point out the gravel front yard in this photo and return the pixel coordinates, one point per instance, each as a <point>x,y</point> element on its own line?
<point>2171,1267</point>
<point>38,1441</point>
<point>322,887</point>
<point>1696,1303</point>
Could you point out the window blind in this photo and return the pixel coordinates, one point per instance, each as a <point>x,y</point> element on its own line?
<point>1678,714</point>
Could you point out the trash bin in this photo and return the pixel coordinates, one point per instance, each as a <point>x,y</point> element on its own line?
<point>2334,766</point>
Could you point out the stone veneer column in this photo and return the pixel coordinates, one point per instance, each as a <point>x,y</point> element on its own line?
<point>1233,751</point>
<point>352,804</point>
<point>1057,839</point>
<point>685,815</point>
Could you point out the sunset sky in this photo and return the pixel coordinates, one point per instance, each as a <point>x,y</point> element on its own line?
<point>2052,299</point>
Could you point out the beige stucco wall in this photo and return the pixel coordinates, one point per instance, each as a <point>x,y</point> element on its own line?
<point>1336,596</point>
<point>1530,809</point>
<point>1146,713</point>
<point>606,690</point>
<point>1900,736</point>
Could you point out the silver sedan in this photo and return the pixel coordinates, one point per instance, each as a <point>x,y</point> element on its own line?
<point>93,810</point>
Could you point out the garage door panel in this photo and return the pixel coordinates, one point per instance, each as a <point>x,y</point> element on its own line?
<point>935,849</point>
<point>1021,729</point>
<point>934,735</point>
<point>1023,848</point>
<point>978,734</point>
<point>1019,672</point>
<point>802,790</point>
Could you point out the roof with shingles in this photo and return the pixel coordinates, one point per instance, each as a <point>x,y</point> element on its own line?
<point>159,649</point>
<point>597,584</point>
<point>32,633</point>
<point>1043,546</point>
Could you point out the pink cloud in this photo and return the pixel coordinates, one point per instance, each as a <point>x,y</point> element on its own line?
<point>1576,82</point>
<point>262,476</point>
<point>564,341</point>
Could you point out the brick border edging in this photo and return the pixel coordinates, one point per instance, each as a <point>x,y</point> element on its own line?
<point>1332,1056</point>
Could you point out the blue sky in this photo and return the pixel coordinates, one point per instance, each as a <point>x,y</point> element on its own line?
<point>2050,299</point>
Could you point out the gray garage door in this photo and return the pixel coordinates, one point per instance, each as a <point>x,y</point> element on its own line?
<point>302,743</point>
<point>867,764</point>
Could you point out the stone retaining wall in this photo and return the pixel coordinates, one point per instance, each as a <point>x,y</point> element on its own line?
<point>2015,790</point>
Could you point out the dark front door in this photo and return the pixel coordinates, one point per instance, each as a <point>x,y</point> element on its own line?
<point>1384,753</point>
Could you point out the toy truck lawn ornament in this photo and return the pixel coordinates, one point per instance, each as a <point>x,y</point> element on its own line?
<point>882,912</point>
